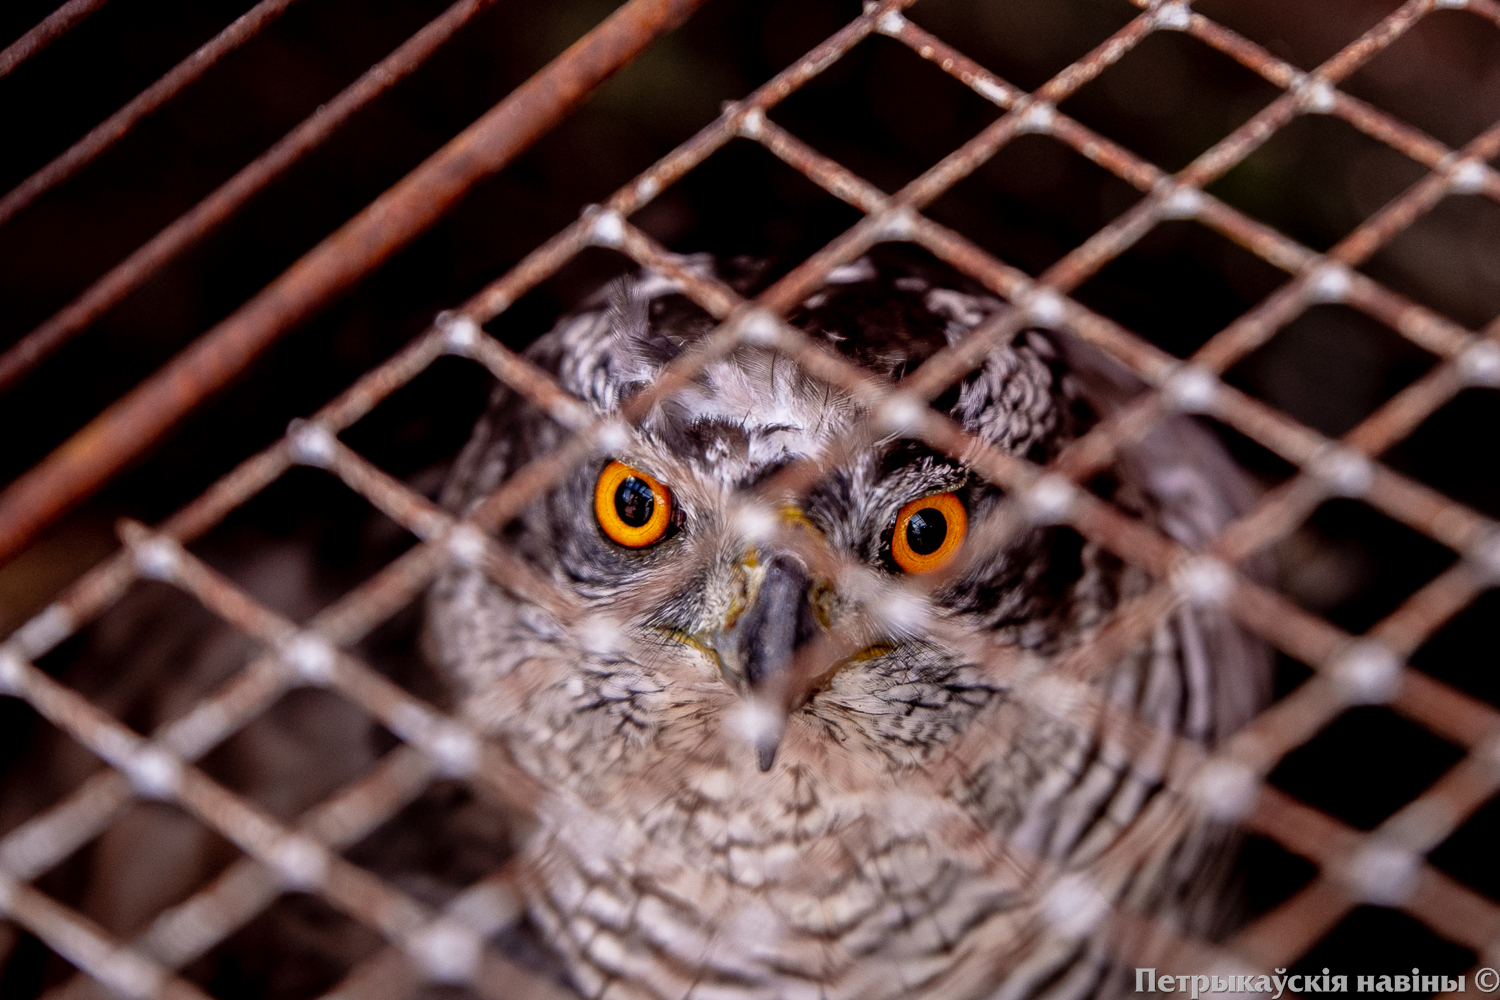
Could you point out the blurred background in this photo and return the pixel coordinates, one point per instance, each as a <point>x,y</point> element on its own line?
<point>881,111</point>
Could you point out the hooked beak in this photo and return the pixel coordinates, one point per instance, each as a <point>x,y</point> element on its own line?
<point>764,643</point>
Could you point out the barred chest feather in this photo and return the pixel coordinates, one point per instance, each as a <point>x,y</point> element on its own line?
<point>929,819</point>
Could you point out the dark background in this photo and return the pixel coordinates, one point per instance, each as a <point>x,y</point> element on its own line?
<point>882,112</point>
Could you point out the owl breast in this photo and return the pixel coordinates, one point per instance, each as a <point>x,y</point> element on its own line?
<point>907,822</point>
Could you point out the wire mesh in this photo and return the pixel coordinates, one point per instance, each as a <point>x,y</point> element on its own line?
<point>1385,866</point>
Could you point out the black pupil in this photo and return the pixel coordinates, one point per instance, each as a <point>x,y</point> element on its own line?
<point>634,502</point>
<point>925,531</point>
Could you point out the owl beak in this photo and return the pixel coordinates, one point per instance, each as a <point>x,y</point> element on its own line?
<point>766,640</point>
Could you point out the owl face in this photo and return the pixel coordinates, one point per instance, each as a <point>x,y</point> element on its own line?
<point>717,827</point>
<point>667,537</point>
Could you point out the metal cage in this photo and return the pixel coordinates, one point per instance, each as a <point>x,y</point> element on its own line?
<point>1386,866</point>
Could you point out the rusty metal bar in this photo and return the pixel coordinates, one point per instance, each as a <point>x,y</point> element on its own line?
<point>1488,9</point>
<point>118,125</point>
<point>295,857</point>
<point>203,218</point>
<point>48,30</point>
<point>130,426</point>
<point>181,934</point>
<point>124,971</point>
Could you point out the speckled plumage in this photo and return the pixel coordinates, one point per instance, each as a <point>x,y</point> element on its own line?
<point>921,832</point>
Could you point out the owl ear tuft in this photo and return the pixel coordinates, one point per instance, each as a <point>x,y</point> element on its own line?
<point>1106,383</point>
<point>652,320</point>
<point>643,345</point>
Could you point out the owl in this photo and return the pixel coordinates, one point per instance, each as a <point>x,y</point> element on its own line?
<point>901,822</point>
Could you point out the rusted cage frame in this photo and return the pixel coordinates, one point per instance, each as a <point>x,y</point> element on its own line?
<point>1349,672</point>
<point>144,414</point>
<point>192,226</point>
<point>51,28</point>
<point>114,128</point>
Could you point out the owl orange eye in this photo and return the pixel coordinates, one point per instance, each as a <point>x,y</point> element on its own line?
<point>928,533</point>
<point>633,509</point>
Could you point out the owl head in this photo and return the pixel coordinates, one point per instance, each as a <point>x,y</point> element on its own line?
<point>666,535</point>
